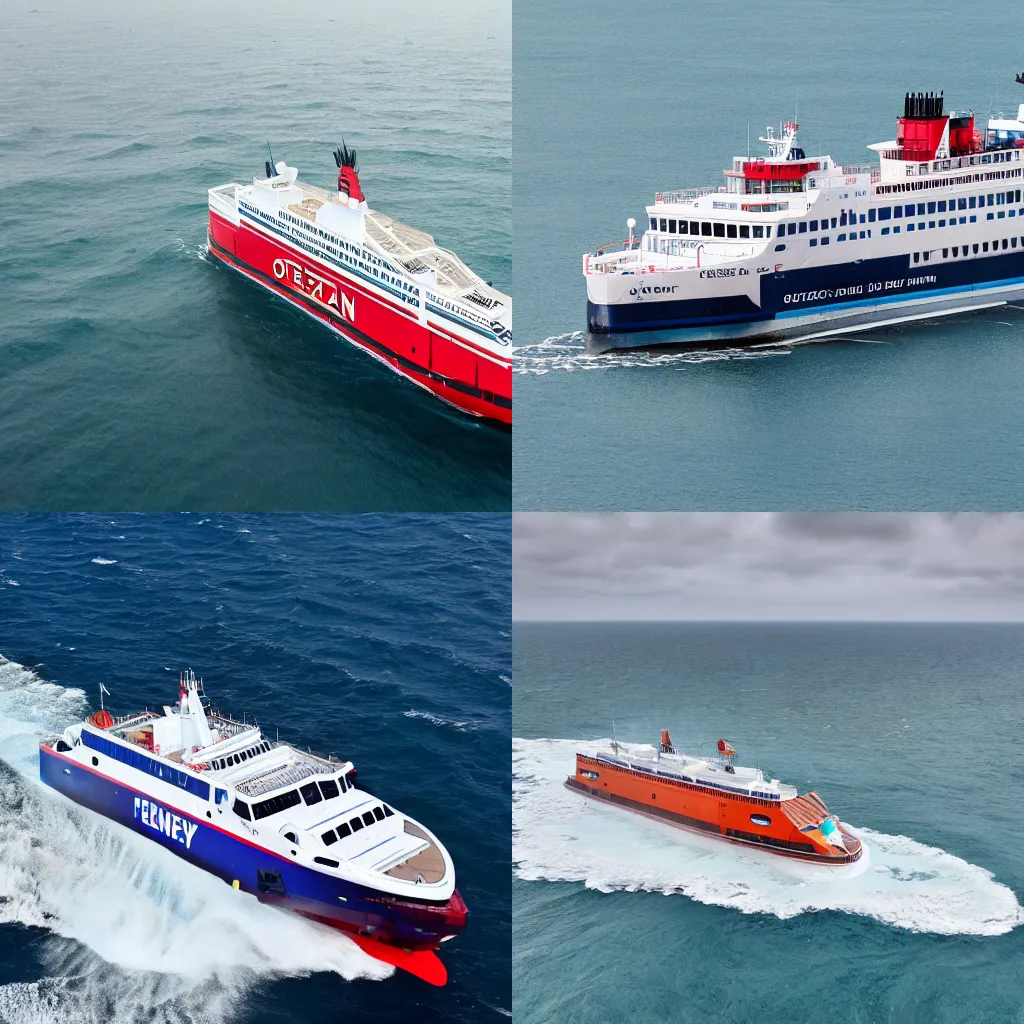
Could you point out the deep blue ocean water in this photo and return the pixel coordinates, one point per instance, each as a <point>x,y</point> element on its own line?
<point>909,732</point>
<point>384,639</point>
<point>138,374</point>
<point>614,102</point>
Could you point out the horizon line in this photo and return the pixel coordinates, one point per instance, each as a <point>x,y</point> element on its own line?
<point>776,622</point>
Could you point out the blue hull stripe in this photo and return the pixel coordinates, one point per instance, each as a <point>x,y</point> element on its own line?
<point>805,290</point>
<point>231,857</point>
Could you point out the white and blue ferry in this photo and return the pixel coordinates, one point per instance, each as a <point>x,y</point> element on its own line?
<point>798,246</point>
<point>288,826</point>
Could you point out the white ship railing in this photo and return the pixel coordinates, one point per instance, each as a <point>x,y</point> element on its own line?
<point>686,195</point>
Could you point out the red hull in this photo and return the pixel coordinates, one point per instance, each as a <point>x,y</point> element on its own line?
<point>455,369</point>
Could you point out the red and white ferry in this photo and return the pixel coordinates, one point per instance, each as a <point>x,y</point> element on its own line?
<point>380,284</point>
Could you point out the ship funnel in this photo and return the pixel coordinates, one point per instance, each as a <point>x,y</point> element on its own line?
<point>348,175</point>
<point>666,743</point>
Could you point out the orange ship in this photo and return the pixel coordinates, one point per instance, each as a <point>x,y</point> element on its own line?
<point>716,797</point>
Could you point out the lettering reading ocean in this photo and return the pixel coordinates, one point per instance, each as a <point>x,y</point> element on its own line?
<point>314,285</point>
<point>159,819</point>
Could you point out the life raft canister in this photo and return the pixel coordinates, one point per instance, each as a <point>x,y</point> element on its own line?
<point>101,719</point>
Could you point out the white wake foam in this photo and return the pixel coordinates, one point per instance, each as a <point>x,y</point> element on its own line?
<point>133,926</point>
<point>435,720</point>
<point>568,352</point>
<point>559,835</point>
<point>104,561</point>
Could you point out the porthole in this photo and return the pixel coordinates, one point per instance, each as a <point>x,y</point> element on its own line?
<point>761,819</point>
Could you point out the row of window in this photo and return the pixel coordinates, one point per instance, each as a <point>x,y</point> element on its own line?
<point>364,820</point>
<point>940,205</point>
<point>243,755</point>
<point>959,179</point>
<point>312,793</point>
<point>151,766</point>
<point>998,245</point>
<point>709,229</point>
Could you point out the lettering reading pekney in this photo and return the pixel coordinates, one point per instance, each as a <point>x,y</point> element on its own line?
<point>160,819</point>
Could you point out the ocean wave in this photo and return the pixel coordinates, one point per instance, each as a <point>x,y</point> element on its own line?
<point>131,925</point>
<point>448,723</point>
<point>569,352</point>
<point>559,835</point>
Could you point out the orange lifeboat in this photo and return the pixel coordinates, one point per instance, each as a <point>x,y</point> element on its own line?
<point>101,719</point>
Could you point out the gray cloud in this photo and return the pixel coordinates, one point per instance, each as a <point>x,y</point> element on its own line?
<point>768,566</point>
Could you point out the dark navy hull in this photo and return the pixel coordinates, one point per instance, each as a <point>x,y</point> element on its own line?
<point>269,877</point>
<point>863,291</point>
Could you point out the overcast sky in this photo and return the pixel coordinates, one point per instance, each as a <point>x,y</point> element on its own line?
<point>859,566</point>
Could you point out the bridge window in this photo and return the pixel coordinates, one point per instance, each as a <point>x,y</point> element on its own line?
<point>310,793</point>
<point>329,837</point>
<point>654,223</point>
<point>758,231</point>
<point>744,231</point>
<point>663,224</point>
<point>275,804</point>
<point>694,228</point>
<point>241,808</point>
<point>378,813</point>
<point>672,226</point>
<point>329,788</point>
<point>730,230</point>
<point>705,228</point>
<point>344,829</point>
<point>682,227</point>
<point>368,818</point>
<point>356,823</point>
<point>719,231</point>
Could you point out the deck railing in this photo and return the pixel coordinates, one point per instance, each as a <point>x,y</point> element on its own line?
<point>686,195</point>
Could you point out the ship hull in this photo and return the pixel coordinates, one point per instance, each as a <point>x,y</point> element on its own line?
<point>272,879</point>
<point>810,302</point>
<point>721,815</point>
<point>428,353</point>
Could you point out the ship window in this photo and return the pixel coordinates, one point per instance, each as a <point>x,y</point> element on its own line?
<point>975,247</point>
<point>885,231</point>
<point>872,215</point>
<point>990,203</point>
<point>895,231</point>
<point>942,206</point>
<point>663,224</point>
<point>1013,242</point>
<point>388,813</point>
<point>744,231</point>
<point>792,229</point>
<point>330,836</point>
<point>326,861</point>
<point>344,829</point>
<point>694,227</point>
<point>833,222</point>
<point>824,241</point>
<point>842,219</point>
<point>241,808</point>
<point>705,228</point>
<point>927,256</point>
<point>719,231</point>
<point>310,793</point>
<point>356,823</point>
<point>275,804</point>
<point>814,241</point>
<point>803,227</point>
<point>814,225</point>
<point>972,202</point>
<point>841,238</point>
<point>884,213</point>
<point>768,231</point>
<point>368,817</point>
<point>758,231</point>
<point>682,227</point>
<point>672,226</point>
<point>984,246</point>
<point>1004,243</point>
<point>910,227</point>
<point>222,796</point>
<point>654,224</point>
<point>897,211</point>
<point>730,230</point>
<point>329,788</point>
<point>378,813</point>
<point>779,248</point>
<point>945,254</point>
